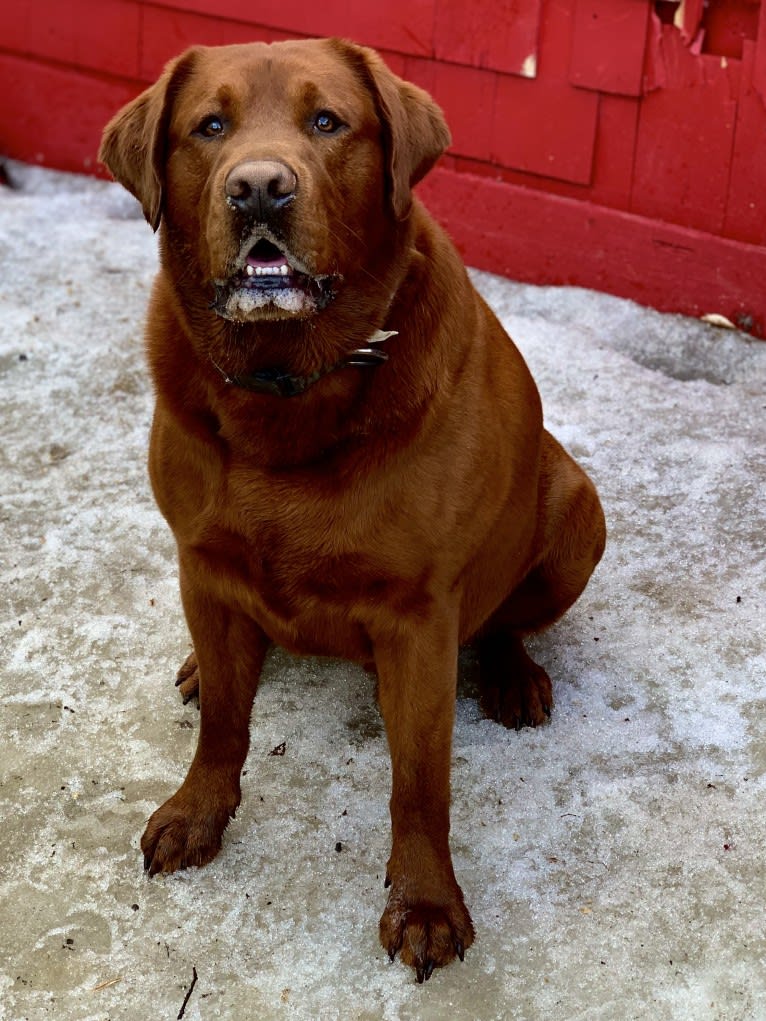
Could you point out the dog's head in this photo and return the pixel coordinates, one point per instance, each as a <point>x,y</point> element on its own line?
<point>278,171</point>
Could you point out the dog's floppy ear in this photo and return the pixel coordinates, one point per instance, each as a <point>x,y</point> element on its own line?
<point>134,141</point>
<point>415,132</point>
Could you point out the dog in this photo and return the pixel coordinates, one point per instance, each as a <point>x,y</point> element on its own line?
<point>346,444</point>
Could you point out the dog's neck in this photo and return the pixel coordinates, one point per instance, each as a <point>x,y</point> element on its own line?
<point>279,383</point>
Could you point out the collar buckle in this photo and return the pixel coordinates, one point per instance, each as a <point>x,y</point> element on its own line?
<point>364,356</point>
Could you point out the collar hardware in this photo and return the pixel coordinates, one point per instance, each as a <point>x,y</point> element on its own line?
<point>283,384</point>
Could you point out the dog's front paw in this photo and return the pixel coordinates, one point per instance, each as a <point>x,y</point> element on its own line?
<point>426,935</point>
<point>185,831</point>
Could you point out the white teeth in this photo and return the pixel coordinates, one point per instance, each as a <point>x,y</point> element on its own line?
<point>268,271</point>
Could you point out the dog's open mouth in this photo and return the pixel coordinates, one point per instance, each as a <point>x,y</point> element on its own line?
<point>270,283</point>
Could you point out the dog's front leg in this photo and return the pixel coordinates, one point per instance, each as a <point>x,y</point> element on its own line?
<point>425,920</point>
<point>230,650</point>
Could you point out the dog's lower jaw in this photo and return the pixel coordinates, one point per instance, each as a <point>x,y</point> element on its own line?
<point>297,298</point>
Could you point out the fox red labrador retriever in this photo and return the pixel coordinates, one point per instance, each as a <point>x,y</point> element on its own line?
<point>347,446</point>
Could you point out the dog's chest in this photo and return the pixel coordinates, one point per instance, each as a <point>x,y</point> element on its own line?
<point>314,557</point>
<point>300,563</point>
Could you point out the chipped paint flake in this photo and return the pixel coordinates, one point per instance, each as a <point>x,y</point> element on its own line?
<point>529,67</point>
<point>688,20</point>
<point>715,319</point>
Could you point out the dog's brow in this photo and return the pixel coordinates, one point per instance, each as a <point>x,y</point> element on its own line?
<point>225,96</point>
<point>310,94</point>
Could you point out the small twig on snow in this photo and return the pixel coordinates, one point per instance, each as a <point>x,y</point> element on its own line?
<point>188,994</point>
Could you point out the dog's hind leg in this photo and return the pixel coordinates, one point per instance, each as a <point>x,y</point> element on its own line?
<point>515,690</point>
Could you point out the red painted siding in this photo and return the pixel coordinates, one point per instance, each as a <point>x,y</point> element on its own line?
<point>684,147</point>
<point>608,42</point>
<point>504,38</point>
<point>611,143</point>
<point>405,27</point>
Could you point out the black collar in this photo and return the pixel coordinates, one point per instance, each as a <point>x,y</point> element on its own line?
<point>283,384</point>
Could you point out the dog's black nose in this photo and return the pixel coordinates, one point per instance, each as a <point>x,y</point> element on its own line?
<point>260,187</point>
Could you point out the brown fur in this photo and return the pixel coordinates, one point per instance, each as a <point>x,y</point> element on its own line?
<point>387,514</point>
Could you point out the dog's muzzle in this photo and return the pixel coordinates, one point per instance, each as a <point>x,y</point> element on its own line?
<point>268,282</point>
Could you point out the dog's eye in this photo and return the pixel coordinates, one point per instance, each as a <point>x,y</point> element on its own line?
<point>210,127</point>
<point>327,122</point>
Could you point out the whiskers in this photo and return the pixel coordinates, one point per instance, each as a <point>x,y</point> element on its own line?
<point>344,247</point>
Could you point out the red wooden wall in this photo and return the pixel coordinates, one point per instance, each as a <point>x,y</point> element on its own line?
<point>615,144</point>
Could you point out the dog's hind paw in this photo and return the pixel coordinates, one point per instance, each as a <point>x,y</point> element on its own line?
<point>515,691</point>
<point>187,678</point>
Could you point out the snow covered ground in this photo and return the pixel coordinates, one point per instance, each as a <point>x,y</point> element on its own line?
<point>614,861</point>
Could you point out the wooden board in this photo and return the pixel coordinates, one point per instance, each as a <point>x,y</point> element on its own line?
<point>544,128</point>
<point>608,43</point>
<point>504,40</point>
<point>467,96</point>
<point>544,238</point>
<point>405,26</point>
<point>685,136</point>
<point>102,36</point>
<point>48,133</point>
<point>746,200</point>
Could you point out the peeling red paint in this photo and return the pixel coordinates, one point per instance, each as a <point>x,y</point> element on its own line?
<point>688,21</point>
<point>671,63</point>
